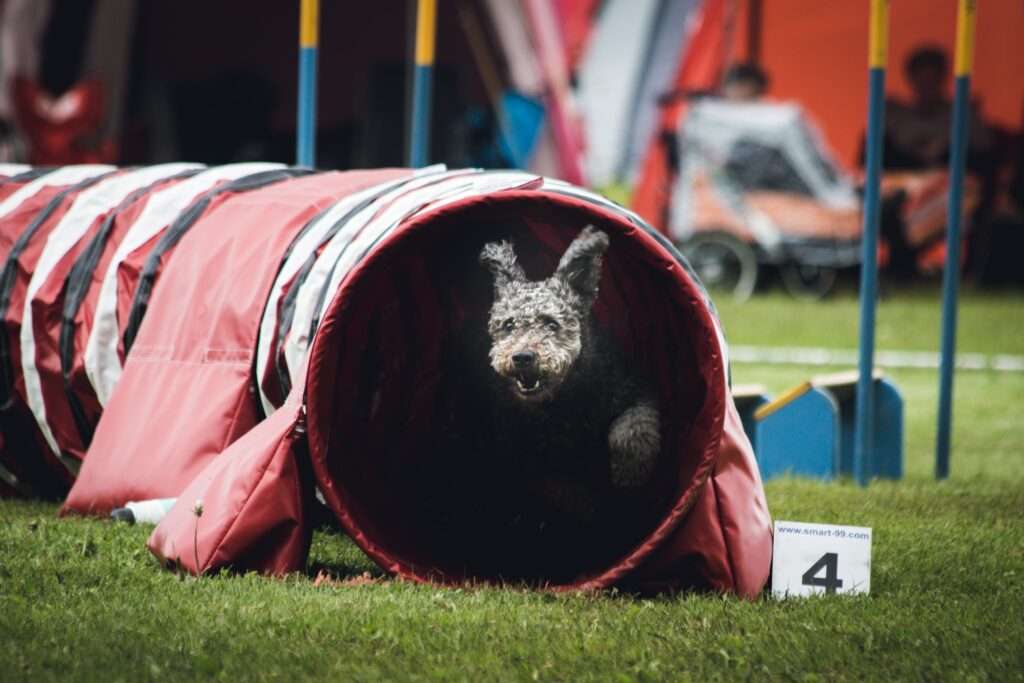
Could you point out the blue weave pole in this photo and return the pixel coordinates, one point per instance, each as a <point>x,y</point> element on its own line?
<point>954,232</point>
<point>951,277</point>
<point>864,415</point>
<point>426,30</point>
<point>419,140</point>
<point>305,138</point>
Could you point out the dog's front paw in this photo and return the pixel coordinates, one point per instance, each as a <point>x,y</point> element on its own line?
<point>634,440</point>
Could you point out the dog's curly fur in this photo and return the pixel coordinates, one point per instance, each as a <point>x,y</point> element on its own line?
<point>571,412</point>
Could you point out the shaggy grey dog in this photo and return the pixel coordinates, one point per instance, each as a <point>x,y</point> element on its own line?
<point>571,412</point>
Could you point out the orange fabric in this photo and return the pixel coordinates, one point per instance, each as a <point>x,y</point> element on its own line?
<point>576,17</point>
<point>818,57</point>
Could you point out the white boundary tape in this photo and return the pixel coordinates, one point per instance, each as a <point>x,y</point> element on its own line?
<point>805,355</point>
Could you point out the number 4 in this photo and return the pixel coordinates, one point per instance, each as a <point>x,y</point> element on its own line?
<point>830,563</point>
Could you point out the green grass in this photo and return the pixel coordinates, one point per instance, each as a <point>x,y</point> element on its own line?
<point>908,319</point>
<point>84,600</point>
<point>988,435</point>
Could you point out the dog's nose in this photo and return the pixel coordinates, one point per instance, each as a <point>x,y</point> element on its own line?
<point>523,357</point>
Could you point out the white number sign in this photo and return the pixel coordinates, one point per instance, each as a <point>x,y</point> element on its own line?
<point>820,558</point>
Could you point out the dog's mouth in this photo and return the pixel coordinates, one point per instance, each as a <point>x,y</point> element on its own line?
<point>529,389</point>
<point>528,382</point>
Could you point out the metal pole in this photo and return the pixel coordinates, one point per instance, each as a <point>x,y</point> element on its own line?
<point>877,53</point>
<point>309,29</point>
<point>419,140</point>
<point>951,276</point>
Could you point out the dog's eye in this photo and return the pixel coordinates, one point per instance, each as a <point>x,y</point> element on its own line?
<point>552,325</point>
<point>509,325</point>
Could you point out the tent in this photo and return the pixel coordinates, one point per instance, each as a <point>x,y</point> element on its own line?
<point>291,329</point>
<point>817,59</point>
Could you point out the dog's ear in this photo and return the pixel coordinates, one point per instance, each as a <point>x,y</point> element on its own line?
<point>500,259</point>
<point>580,265</point>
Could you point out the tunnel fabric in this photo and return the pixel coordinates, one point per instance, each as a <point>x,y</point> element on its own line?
<point>239,334</point>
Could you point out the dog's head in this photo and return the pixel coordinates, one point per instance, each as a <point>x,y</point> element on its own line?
<point>536,326</point>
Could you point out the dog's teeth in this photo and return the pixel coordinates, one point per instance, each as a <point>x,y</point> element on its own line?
<point>532,387</point>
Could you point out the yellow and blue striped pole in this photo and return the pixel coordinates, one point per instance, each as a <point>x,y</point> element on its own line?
<point>878,48</point>
<point>426,29</point>
<point>309,29</point>
<point>951,277</point>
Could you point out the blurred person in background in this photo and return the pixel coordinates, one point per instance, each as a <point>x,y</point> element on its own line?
<point>917,133</point>
<point>744,83</point>
<point>916,141</point>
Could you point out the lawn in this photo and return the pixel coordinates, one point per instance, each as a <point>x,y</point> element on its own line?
<point>84,600</point>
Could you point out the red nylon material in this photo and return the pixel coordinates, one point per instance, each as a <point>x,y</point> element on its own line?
<point>28,455</point>
<point>183,420</point>
<point>254,506</point>
<point>9,187</point>
<point>716,536</point>
<point>186,392</point>
<point>14,223</point>
<point>129,274</point>
<point>47,314</point>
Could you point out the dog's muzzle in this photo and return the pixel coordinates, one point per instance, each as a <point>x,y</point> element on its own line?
<point>526,373</point>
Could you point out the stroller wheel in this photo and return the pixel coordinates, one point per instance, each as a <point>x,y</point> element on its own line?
<point>807,282</point>
<point>723,262</point>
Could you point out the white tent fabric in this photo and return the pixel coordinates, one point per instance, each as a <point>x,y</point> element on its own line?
<point>674,26</point>
<point>22,23</point>
<point>609,78</point>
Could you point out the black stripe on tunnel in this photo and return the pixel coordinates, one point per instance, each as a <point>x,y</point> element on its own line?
<point>288,302</point>
<point>77,284</point>
<point>177,230</point>
<point>28,175</point>
<point>9,275</point>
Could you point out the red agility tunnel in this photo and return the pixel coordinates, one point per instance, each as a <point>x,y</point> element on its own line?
<point>323,331</point>
<point>28,216</point>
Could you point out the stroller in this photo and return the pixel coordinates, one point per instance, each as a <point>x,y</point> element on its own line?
<point>757,188</point>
